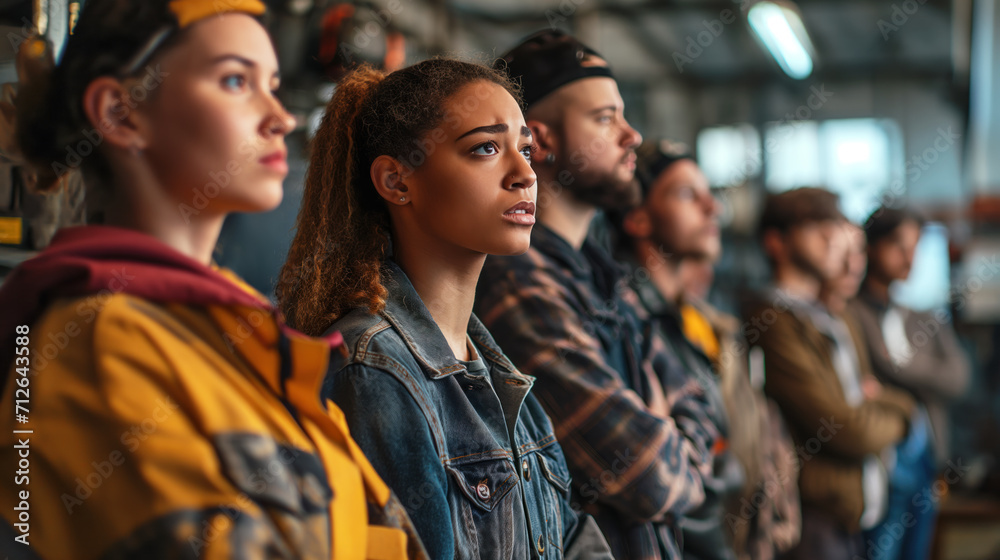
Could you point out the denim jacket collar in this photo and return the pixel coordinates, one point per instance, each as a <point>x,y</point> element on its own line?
<point>412,320</point>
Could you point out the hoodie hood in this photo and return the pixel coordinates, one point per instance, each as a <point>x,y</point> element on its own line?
<point>87,260</point>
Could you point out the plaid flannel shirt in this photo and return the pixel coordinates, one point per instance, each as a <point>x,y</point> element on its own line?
<point>705,535</point>
<point>630,420</point>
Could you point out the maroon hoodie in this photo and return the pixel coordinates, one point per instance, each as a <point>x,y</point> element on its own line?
<point>87,260</point>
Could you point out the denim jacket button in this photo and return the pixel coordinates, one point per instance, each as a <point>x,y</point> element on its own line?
<point>524,469</point>
<point>483,490</point>
<point>541,545</point>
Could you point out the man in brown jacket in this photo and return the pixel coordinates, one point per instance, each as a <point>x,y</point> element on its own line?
<point>817,371</point>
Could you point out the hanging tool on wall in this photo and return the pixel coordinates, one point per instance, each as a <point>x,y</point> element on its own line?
<point>29,219</point>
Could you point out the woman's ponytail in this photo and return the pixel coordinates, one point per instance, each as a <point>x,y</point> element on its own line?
<point>335,260</point>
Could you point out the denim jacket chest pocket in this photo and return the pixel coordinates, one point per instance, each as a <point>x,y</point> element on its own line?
<point>510,501</point>
<point>486,505</point>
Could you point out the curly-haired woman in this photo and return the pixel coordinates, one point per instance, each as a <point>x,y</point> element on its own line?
<point>415,177</point>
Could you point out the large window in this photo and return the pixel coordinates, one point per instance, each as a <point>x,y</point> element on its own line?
<point>860,159</point>
<point>729,155</point>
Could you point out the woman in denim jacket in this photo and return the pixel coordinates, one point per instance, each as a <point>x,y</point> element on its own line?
<point>415,177</point>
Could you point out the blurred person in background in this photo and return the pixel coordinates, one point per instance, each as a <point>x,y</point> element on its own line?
<point>906,529</point>
<point>669,242</point>
<point>920,354</point>
<point>849,249</point>
<point>932,366</point>
<point>631,421</point>
<point>815,366</point>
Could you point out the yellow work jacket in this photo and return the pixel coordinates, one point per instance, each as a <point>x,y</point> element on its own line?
<point>180,430</point>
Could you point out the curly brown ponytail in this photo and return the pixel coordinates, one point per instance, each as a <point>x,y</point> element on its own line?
<point>334,227</point>
<point>343,237</point>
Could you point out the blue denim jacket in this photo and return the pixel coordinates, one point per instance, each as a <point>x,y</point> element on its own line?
<point>473,458</point>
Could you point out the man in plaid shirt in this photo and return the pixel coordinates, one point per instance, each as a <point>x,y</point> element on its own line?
<point>631,421</point>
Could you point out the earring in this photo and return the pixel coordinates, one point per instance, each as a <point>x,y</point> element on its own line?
<point>550,158</point>
<point>402,199</point>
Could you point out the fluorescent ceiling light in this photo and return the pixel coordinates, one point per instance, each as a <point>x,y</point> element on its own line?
<point>780,29</point>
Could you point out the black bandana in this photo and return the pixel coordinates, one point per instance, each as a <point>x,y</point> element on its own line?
<point>546,61</point>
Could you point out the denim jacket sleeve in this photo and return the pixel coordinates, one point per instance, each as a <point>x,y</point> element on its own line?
<point>391,429</point>
<point>620,453</point>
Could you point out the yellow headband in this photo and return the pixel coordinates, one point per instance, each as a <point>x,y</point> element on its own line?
<point>188,12</point>
<point>191,11</point>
